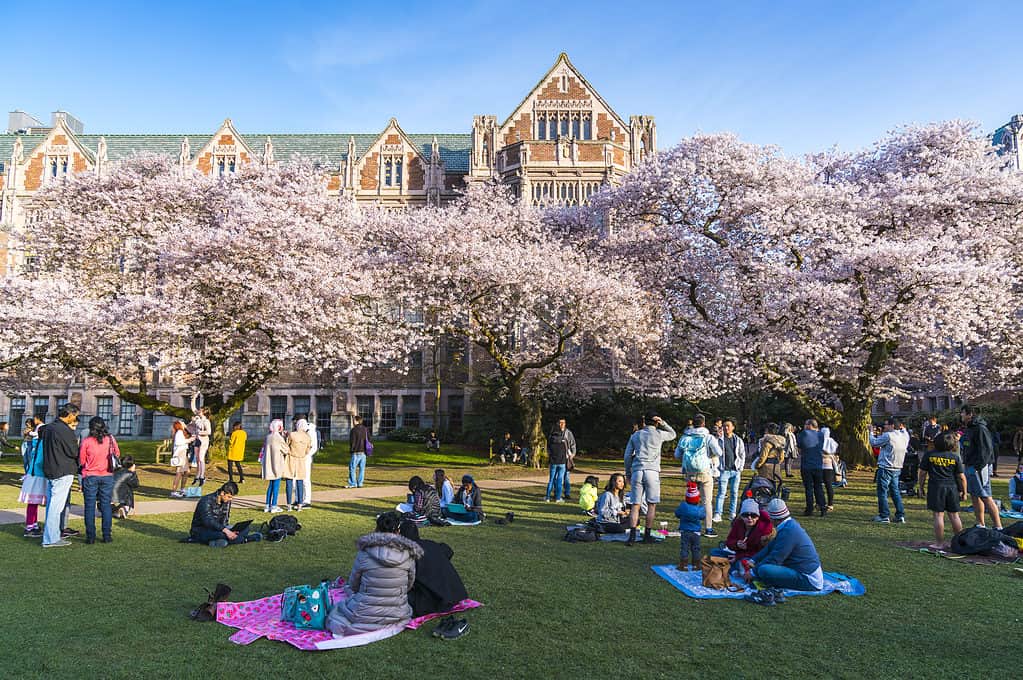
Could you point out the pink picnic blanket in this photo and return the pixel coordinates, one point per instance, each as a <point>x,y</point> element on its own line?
<point>261,618</point>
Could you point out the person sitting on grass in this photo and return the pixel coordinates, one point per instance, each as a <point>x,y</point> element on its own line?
<point>438,587</point>
<point>377,590</point>
<point>424,506</point>
<point>211,521</point>
<point>612,515</point>
<point>1016,489</point>
<point>432,443</point>
<point>588,495</point>
<point>445,489</point>
<point>467,505</point>
<point>751,531</point>
<point>790,560</point>
<point>947,487</point>
<point>690,513</point>
<point>126,480</point>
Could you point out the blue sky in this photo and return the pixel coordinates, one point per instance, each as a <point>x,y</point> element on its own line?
<point>802,75</point>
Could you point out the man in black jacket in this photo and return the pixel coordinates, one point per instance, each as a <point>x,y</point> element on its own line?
<point>211,521</point>
<point>978,451</point>
<point>357,439</point>
<point>60,465</point>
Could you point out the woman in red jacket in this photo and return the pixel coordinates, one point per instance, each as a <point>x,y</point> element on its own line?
<point>97,478</point>
<point>751,531</point>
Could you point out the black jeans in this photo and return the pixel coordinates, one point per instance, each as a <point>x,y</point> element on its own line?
<point>207,535</point>
<point>230,474</point>
<point>829,486</point>
<point>813,488</point>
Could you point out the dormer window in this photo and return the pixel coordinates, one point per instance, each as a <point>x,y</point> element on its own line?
<point>563,83</point>
<point>57,166</point>
<point>225,164</point>
<point>392,171</point>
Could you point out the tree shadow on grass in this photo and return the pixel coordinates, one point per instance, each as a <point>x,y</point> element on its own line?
<point>155,530</point>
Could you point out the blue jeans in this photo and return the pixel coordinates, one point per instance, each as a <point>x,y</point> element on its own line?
<point>56,500</point>
<point>271,492</point>
<point>101,488</point>
<point>555,482</point>
<point>357,466</point>
<point>728,482</point>
<point>782,577</point>
<point>888,482</point>
<point>567,484</point>
<point>298,485</point>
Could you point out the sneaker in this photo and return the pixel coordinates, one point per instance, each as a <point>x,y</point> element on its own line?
<point>442,626</point>
<point>731,518</point>
<point>218,543</point>
<point>764,597</point>
<point>59,544</point>
<point>900,520</point>
<point>716,518</point>
<point>710,533</point>
<point>108,539</point>
<point>349,486</point>
<point>176,494</point>
<point>881,520</point>
<point>275,509</point>
<point>266,508</point>
<point>69,532</point>
<point>297,508</point>
<point>456,630</point>
<point>560,500</point>
<point>547,500</point>
<point>33,533</point>
<point>253,537</point>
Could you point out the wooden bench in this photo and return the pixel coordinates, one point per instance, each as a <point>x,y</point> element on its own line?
<point>163,449</point>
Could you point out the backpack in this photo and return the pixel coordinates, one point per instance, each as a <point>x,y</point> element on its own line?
<point>692,450</point>
<point>286,523</point>
<point>305,606</point>
<point>584,534</point>
<point>1015,530</point>
<point>975,540</point>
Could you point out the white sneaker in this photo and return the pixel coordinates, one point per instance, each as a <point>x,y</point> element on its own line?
<point>275,509</point>
<point>716,518</point>
<point>177,494</point>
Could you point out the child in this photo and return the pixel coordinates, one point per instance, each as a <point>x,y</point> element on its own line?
<point>947,487</point>
<point>33,487</point>
<point>588,495</point>
<point>1016,489</point>
<point>126,480</point>
<point>691,515</point>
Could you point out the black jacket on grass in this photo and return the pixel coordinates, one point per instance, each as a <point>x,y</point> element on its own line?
<point>60,450</point>
<point>438,587</point>
<point>210,515</point>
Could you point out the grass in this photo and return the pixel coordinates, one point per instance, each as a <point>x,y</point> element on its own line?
<point>553,609</point>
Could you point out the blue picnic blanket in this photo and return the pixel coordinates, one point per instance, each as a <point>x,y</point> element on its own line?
<point>691,583</point>
<point>1011,514</point>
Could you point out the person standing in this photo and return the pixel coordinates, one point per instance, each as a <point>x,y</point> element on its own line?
<point>643,470</point>
<point>557,461</point>
<point>272,457</point>
<point>60,464</point>
<point>733,457</point>
<point>977,451</point>
<point>299,444</point>
<point>203,429</point>
<point>94,457</point>
<point>33,484</point>
<point>314,446</point>
<point>996,444</point>
<point>947,487</point>
<point>791,448</point>
<point>930,432</point>
<point>5,444</point>
<point>1017,444</point>
<point>236,452</point>
<point>893,442</point>
<point>569,458</point>
<point>357,440</point>
<point>704,478</point>
<point>811,466</point>
<point>179,452</point>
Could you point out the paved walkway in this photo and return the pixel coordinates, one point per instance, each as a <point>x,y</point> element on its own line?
<point>170,505</point>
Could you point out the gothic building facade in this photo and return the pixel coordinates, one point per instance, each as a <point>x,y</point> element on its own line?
<point>559,145</point>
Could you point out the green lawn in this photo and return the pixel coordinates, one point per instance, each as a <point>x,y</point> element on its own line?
<point>553,609</point>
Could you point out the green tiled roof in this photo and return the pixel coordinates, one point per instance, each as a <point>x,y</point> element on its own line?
<point>330,149</point>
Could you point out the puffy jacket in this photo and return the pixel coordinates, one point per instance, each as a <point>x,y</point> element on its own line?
<point>377,590</point>
<point>588,497</point>
<point>210,514</point>
<point>772,447</point>
<point>125,483</point>
<point>763,532</point>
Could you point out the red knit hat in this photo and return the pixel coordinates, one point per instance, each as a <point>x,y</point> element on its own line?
<point>692,493</point>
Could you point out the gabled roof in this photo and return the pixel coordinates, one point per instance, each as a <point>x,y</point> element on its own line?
<point>563,59</point>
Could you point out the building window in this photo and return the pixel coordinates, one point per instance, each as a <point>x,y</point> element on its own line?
<point>41,407</point>
<point>126,420</point>
<point>415,360</point>
<point>147,423</point>
<point>302,406</point>
<point>575,127</point>
<point>58,166</point>
<point>587,128</point>
<point>456,407</point>
<point>552,121</point>
<point>225,164</point>
<point>17,415</point>
<point>541,126</point>
<point>324,411</point>
<point>410,405</point>
<point>364,407</point>
<point>388,413</point>
<point>278,408</point>
<point>105,409</point>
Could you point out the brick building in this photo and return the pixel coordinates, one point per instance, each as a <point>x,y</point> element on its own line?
<point>560,144</point>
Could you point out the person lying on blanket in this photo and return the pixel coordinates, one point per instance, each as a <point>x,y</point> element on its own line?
<point>438,587</point>
<point>467,505</point>
<point>376,593</point>
<point>790,560</point>
<point>211,521</point>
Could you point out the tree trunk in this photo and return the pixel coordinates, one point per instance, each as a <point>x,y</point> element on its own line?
<point>852,433</point>
<point>531,421</point>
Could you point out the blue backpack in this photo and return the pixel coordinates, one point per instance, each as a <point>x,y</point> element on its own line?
<point>692,451</point>
<point>306,606</point>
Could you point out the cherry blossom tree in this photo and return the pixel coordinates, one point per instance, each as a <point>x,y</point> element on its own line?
<point>837,278</point>
<point>539,307</point>
<point>151,276</point>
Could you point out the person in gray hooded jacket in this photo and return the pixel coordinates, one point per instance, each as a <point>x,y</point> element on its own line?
<point>643,470</point>
<point>376,593</point>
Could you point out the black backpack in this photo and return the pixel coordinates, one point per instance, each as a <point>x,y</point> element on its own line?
<point>286,523</point>
<point>975,540</point>
<point>1015,530</point>
<point>585,534</point>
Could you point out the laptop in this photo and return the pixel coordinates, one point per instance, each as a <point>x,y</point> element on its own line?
<point>239,527</point>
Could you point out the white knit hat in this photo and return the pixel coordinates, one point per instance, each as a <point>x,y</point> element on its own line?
<point>749,506</point>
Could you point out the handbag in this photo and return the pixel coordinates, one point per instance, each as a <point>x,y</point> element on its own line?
<point>113,461</point>
<point>305,606</point>
<point>714,572</point>
<point>369,448</point>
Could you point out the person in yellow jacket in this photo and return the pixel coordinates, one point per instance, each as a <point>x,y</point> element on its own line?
<point>588,494</point>
<point>236,452</point>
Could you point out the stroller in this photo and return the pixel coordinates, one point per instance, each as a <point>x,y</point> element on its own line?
<point>763,489</point>
<point>841,478</point>
<point>908,476</point>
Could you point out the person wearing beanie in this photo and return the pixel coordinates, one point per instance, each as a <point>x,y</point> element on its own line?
<point>790,560</point>
<point>690,513</point>
<point>750,532</point>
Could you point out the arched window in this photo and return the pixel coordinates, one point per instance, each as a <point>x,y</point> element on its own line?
<point>541,127</point>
